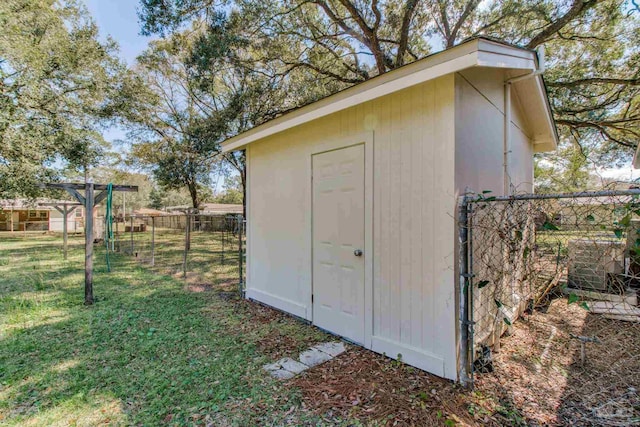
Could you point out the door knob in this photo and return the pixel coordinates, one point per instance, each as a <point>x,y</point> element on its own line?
<point>357,252</point>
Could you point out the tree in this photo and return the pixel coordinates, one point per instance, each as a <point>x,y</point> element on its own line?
<point>565,170</point>
<point>593,48</point>
<point>155,199</point>
<point>233,191</point>
<point>58,86</point>
<point>178,133</point>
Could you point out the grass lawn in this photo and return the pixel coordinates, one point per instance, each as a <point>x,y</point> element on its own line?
<point>150,351</point>
<point>159,350</point>
<point>213,256</point>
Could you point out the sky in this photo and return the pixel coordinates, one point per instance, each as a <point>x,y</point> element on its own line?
<point>118,19</point>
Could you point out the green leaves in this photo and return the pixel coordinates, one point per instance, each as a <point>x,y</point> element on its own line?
<point>550,226</point>
<point>482,284</point>
<point>572,299</point>
<point>59,85</point>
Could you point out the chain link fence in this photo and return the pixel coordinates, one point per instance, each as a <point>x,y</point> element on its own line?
<point>207,250</point>
<point>550,317</point>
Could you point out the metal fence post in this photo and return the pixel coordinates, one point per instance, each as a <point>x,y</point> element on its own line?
<point>466,344</point>
<point>469,293</point>
<point>187,244</point>
<point>153,241</point>
<point>240,220</point>
<point>223,233</point>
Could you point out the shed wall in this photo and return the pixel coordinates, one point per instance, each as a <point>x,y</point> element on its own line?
<point>413,301</point>
<point>480,135</point>
<point>56,221</point>
<point>479,165</point>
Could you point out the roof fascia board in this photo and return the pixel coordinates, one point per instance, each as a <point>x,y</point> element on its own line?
<point>498,60</point>
<point>477,52</point>
<point>550,122</point>
<point>539,113</point>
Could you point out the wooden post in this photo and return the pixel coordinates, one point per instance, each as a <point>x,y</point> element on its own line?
<point>88,245</point>
<point>153,241</point>
<point>117,234</point>
<point>65,211</point>
<point>12,230</point>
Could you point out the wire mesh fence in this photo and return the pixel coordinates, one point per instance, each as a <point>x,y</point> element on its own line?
<point>207,249</point>
<point>550,316</point>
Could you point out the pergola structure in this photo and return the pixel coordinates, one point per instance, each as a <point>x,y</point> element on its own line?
<point>89,200</point>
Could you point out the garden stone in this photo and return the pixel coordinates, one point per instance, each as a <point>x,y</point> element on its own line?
<point>313,357</point>
<point>331,348</point>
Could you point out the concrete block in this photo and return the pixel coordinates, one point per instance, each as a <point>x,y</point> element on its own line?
<point>313,357</point>
<point>282,374</point>
<point>331,348</point>
<point>292,365</point>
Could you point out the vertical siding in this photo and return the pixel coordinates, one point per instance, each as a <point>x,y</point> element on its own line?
<point>480,135</point>
<point>413,227</point>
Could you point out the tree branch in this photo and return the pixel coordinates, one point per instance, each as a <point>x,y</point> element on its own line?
<point>595,80</point>
<point>577,9</point>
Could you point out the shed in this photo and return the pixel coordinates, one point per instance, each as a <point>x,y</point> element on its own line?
<point>352,200</point>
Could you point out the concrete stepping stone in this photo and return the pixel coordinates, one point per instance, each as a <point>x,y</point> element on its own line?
<point>331,348</point>
<point>292,365</point>
<point>286,367</point>
<point>282,374</point>
<point>313,357</point>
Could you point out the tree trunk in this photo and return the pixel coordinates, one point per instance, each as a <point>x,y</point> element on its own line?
<point>193,192</point>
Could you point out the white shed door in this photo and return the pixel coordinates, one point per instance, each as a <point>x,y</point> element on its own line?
<point>338,241</point>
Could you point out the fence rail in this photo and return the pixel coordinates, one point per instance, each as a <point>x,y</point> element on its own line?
<point>548,287</point>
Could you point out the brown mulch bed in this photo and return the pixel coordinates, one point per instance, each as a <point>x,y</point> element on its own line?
<point>538,370</point>
<point>538,379</point>
<point>279,334</point>
<point>374,389</point>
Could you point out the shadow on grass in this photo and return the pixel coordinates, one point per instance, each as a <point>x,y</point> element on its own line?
<point>148,352</point>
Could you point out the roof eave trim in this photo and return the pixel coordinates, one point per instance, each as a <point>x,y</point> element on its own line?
<point>477,52</point>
